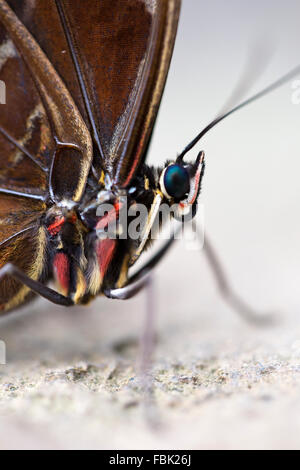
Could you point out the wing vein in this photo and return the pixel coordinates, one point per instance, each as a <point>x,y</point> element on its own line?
<point>22,149</point>
<point>17,234</point>
<point>79,76</point>
<point>12,192</point>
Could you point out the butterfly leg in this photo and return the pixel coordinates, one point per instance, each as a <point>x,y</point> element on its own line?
<point>129,290</point>
<point>37,287</point>
<point>226,291</point>
<point>142,277</point>
<point>147,339</point>
<point>140,280</point>
<point>147,344</point>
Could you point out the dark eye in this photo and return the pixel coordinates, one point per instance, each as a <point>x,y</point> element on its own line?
<point>175,182</point>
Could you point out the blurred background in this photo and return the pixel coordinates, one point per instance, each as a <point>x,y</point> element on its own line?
<point>71,377</point>
<point>251,188</point>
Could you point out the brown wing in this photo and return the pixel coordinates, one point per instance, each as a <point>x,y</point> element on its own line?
<point>23,123</point>
<point>112,58</point>
<point>32,137</point>
<point>26,145</point>
<point>121,51</point>
<point>63,133</point>
<point>22,243</point>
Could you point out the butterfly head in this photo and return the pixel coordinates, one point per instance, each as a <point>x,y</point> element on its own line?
<point>180,182</point>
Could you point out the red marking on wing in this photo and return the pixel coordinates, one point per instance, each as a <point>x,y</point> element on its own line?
<point>105,250</point>
<point>136,159</point>
<point>72,219</point>
<point>55,228</point>
<point>61,267</point>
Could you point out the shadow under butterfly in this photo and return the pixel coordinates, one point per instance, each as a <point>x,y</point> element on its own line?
<point>83,90</point>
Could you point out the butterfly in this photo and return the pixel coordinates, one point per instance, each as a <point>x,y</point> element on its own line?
<point>84,82</point>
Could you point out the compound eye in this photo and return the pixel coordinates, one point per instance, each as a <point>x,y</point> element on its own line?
<point>175,182</point>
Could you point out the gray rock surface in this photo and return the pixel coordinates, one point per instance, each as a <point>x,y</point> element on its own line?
<point>71,379</point>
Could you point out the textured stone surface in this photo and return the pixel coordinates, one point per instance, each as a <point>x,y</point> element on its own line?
<point>71,377</point>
